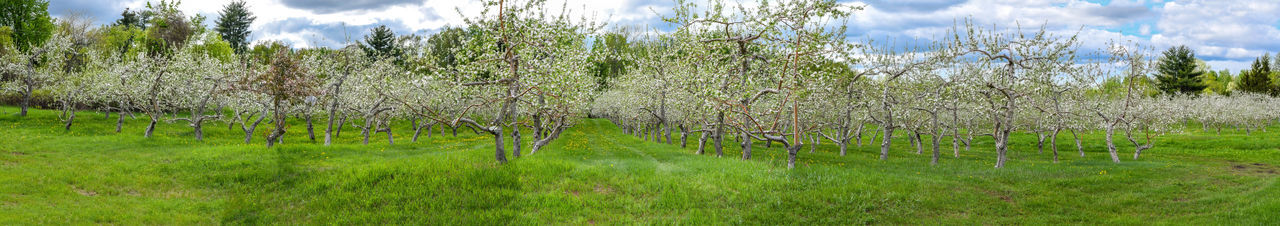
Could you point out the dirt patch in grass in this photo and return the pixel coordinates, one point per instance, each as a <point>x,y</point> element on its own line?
<point>18,153</point>
<point>1254,168</point>
<point>997,194</point>
<point>84,192</point>
<point>603,189</point>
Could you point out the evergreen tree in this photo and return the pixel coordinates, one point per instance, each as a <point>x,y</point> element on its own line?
<point>233,25</point>
<point>381,43</point>
<point>29,21</point>
<point>1258,78</point>
<point>1177,72</point>
<point>133,18</point>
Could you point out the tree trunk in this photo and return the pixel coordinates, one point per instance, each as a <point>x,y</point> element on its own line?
<point>666,130</point>
<point>329,131</point>
<point>746,147</point>
<point>719,145</point>
<point>515,141</point>
<point>431,127</point>
<point>843,147</point>
<point>279,119</point>
<point>791,155</point>
<point>341,123</point>
<point>684,138</point>
<point>858,136</point>
<point>702,143</point>
<point>968,141</point>
<point>936,148</point>
<point>418,131</point>
<point>546,139</point>
<point>1079,147</point>
<point>391,140</point>
<point>816,141</point>
<point>150,127</point>
<point>1053,144</point>
<point>119,122</point>
<point>1040,142</point>
<point>955,143</point>
<point>248,132</point>
<point>885,142</point>
<point>198,126</point>
<point>1001,148</point>
<point>1111,146</point>
<point>917,142</point>
<point>311,129</point>
<point>26,101</point>
<point>498,152</point>
<point>364,131</point>
<point>70,119</point>
<point>937,137</point>
<point>874,134</point>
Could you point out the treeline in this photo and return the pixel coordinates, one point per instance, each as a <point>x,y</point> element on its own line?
<point>508,69</point>
<point>783,72</point>
<point>787,74</point>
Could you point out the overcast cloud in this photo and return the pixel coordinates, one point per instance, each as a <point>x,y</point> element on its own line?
<point>1226,33</point>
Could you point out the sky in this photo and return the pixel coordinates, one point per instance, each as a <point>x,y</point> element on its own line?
<point>1227,34</point>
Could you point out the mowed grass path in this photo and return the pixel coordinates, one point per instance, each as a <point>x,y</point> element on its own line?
<point>595,174</point>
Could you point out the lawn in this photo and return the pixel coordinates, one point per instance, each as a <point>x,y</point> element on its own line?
<point>595,174</point>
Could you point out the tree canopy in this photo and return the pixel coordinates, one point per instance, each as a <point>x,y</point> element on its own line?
<point>29,21</point>
<point>381,43</point>
<point>1258,78</point>
<point>1177,72</point>
<point>233,24</point>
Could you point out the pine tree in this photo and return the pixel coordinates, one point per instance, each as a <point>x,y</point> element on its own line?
<point>127,18</point>
<point>1177,72</point>
<point>133,18</point>
<point>381,43</point>
<point>1258,78</point>
<point>233,25</point>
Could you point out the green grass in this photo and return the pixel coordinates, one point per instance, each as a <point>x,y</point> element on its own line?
<point>596,174</point>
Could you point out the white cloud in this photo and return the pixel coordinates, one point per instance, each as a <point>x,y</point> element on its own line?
<point>1226,29</point>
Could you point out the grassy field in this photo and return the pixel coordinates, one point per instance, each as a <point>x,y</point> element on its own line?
<point>596,175</point>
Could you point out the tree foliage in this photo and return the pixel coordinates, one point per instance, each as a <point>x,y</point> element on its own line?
<point>169,29</point>
<point>381,43</point>
<point>133,18</point>
<point>233,25</point>
<point>1177,73</point>
<point>606,60</point>
<point>1258,78</point>
<point>29,21</point>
